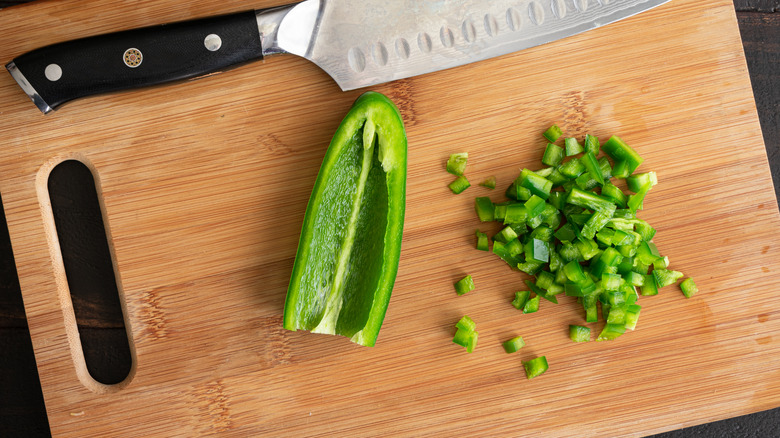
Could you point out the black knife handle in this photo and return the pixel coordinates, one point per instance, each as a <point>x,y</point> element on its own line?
<point>137,58</point>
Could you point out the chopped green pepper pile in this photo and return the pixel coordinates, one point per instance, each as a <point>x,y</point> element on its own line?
<point>576,232</point>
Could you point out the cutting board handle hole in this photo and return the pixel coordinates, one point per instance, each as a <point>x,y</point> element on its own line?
<point>93,296</point>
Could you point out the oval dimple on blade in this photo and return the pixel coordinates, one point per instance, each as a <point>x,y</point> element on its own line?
<point>536,12</point>
<point>366,42</point>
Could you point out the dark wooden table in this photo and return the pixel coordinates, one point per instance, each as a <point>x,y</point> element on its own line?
<point>22,410</point>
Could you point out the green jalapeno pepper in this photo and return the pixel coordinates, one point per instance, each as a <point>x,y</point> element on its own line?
<point>350,241</point>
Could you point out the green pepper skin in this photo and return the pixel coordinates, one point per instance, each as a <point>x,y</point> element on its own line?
<point>350,243</point>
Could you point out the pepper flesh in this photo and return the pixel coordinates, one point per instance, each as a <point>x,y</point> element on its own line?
<point>350,242</point>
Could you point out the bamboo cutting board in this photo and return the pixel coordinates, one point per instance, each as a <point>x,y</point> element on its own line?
<point>204,186</point>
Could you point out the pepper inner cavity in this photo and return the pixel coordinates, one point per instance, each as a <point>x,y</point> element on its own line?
<point>335,299</point>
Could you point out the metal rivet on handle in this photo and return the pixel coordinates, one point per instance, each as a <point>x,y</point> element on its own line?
<point>212,42</point>
<point>132,57</point>
<point>53,72</point>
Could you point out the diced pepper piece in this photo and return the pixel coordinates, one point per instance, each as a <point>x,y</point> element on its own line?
<point>605,236</point>
<point>646,232</point>
<point>521,297</point>
<point>578,333</point>
<point>557,199</point>
<point>632,316</point>
<point>489,182</point>
<point>572,168</point>
<point>574,272</point>
<point>541,292</point>
<point>514,344</point>
<point>688,287</point>
<point>456,164</point>
<point>544,173</point>
<point>614,194</point>
<point>483,243</point>
<point>530,266</point>
<point>462,337</point>
<point>613,297</point>
<point>556,262</point>
<point>620,151</point>
<point>537,250</point>
<point>646,253</point>
<point>534,222</point>
<point>590,305</point>
<point>472,342</point>
<point>535,367</point>
<point>611,281</point>
<point>580,289</point>
<point>596,222</point>
<point>639,181</point>
<point>629,292</point>
<point>505,235</point>
<point>666,277</point>
<point>606,168</point>
<point>648,287</point>
<point>661,263</point>
<point>565,233</point>
<point>587,248</point>
<point>553,155</point>
<point>560,276</point>
<point>592,166</point>
<point>621,223</point>
<point>517,192</point>
<point>466,323</point>
<point>485,209</point>
<point>556,177</point>
<point>635,201</point>
<point>592,145</point>
<point>535,206</point>
<point>499,211</point>
<point>551,216</point>
<point>611,331</point>
<point>467,339</point>
<point>611,257</point>
<point>531,305</point>
<point>500,250</point>
<point>569,252</point>
<point>617,314</point>
<point>538,185</point>
<point>620,169</point>
<point>634,278</point>
<point>586,182</point>
<point>590,200</point>
<point>514,247</point>
<point>460,184</point>
<point>553,133</point>
<point>516,214</point>
<point>545,279</point>
<point>464,285</point>
<point>573,147</point>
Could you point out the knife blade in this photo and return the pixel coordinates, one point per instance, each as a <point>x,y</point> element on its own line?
<point>359,43</point>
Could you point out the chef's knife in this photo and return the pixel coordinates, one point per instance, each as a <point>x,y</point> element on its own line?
<point>358,43</point>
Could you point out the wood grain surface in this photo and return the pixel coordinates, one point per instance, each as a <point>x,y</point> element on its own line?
<point>204,199</point>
